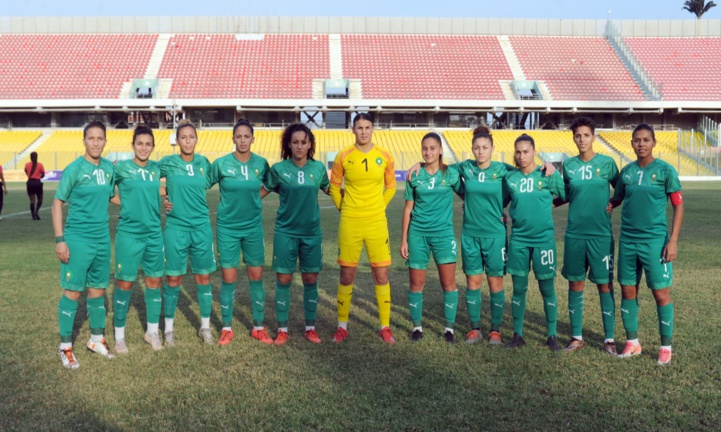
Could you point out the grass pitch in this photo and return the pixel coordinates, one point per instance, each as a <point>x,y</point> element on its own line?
<point>361,384</point>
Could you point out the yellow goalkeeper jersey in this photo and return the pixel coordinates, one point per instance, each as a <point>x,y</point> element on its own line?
<point>368,180</point>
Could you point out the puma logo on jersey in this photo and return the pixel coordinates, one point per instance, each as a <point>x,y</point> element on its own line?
<point>515,185</point>
<point>552,268</point>
<point>666,276</point>
<point>627,176</point>
<point>420,182</point>
<point>231,171</point>
<point>88,176</point>
<point>287,175</point>
<point>572,172</point>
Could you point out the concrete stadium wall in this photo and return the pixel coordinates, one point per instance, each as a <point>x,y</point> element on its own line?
<point>356,25</point>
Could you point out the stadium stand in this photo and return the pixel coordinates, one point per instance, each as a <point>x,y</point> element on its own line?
<point>71,66</point>
<point>14,142</point>
<point>576,68</point>
<point>426,67</point>
<point>224,66</point>
<point>666,149</point>
<point>683,68</point>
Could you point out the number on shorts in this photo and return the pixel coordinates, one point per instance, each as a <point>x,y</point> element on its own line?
<point>189,168</point>
<point>608,259</point>
<point>301,177</point>
<point>526,185</point>
<point>547,257</point>
<point>504,255</point>
<point>586,172</point>
<point>99,176</point>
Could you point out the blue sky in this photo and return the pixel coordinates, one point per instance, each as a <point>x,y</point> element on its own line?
<point>583,9</point>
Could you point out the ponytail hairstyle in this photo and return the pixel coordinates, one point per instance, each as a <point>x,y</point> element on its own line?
<point>246,123</point>
<point>34,160</point>
<point>435,136</point>
<point>143,130</point>
<point>183,124</point>
<point>285,140</point>
<point>644,126</point>
<point>482,132</point>
<point>523,137</point>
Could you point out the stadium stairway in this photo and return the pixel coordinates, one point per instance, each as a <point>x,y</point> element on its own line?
<point>449,156</point>
<point>336,56</point>
<point>25,154</point>
<point>620,158</point>
<point>156,58</point>
<point>511,58</point>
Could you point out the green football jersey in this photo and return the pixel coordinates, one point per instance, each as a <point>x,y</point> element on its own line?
<point>139,189</point>
<point>644,192</point>
<point>432,195</point>
<point>299,213</point>
<point>588,192</point>
<point>531,209</point>
<point>186,183</point>
<point>240,208</point>
<point>483,215</point>
<point>87,188</point>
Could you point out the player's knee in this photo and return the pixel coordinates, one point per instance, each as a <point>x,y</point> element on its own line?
<point>175,281</point>
<point>309,278</point>
<point>72,295</point>
<point>202,279</point>
<point>285,278</point>
<point>380,275</point>
<point>255,273</point>
<point>347,275</point>
<point>662,296</point>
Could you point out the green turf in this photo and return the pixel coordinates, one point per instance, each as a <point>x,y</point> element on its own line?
<point>361,384</point>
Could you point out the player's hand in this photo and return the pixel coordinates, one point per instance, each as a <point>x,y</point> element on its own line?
<point>62,252</point>
<point>415,169</point>
<point>5,191</point>
<point>549,169</point>
<point>505,218</point>
<point>670,251</point>
<point>168,205</point>
<point>609,208</point>
<point>404,249</point>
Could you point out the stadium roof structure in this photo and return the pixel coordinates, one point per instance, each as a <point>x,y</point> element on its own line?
<point>249,28</point>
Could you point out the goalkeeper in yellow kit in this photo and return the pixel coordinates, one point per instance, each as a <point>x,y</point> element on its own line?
<point>367,174</point>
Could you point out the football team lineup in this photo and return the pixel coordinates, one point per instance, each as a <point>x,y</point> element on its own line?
<point>361,186</point>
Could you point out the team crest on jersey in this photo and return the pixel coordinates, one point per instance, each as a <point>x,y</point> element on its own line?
<point>257,172</point>
<point>653,177</point>
<point>443,182</point>
<point>540,185</point>
<point>494,176</point>
<point>311,176</point>
<point>379,161</point>
<point>202,171</point>
<point>107,176</point>
<point>598,171</point>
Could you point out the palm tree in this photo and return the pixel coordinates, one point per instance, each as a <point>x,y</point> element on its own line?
<point>698,7</point>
